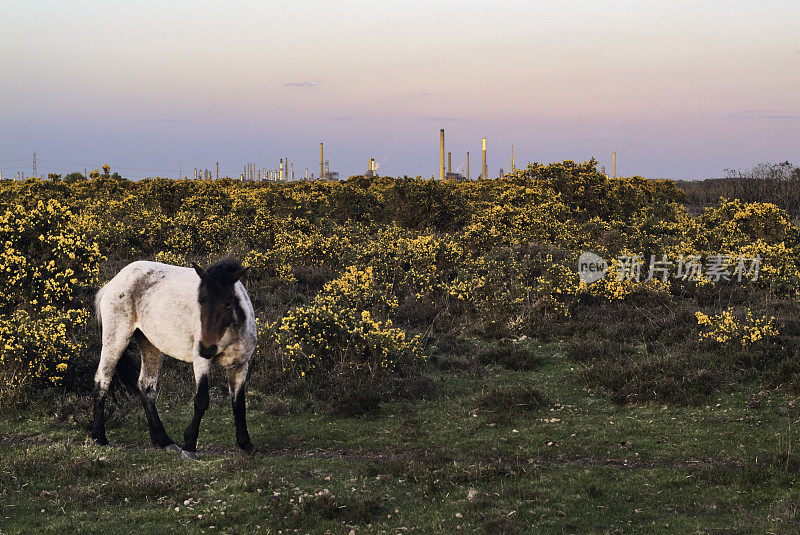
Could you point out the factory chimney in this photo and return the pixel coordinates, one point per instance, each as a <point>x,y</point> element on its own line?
<point>441,154</point>
<point>613,164</point>
<point>513,165</point>
<point>321,163</point>
<point>467,165</point>
<point>484,174</point>
<point>449,163</point>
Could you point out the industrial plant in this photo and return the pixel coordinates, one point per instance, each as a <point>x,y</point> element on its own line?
<point>284,170</point>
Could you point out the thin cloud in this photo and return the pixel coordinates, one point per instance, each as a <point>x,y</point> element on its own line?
<point>301,84</point>
<point>445,119</point>
<point>763,114</point>
<point>428,94</point>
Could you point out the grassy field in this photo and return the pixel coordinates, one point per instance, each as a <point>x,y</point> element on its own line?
<point>496,451</point>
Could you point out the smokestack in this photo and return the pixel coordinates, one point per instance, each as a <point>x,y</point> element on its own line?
<point>513,165</point>
<point>281,170</point>
<point>292,171</point>
<point>321,163</point>
<point>484,174</point>
<point>467,164</point>
<point>614,164</point>
<point>441,154</point>
<point>449,163</point>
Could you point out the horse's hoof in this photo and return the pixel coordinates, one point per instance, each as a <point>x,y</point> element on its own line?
<point>190,455</point>
<point>173,447</point>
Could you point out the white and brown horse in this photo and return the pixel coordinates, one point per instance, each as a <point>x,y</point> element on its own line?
<point>195,315</point>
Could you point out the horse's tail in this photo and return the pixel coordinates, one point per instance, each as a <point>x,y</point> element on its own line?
<point>126,374</point>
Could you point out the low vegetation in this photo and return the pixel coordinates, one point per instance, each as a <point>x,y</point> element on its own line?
<point>424,339</point>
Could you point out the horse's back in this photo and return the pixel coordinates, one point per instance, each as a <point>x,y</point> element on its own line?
<point>159,300</point>
<point>134,280</point>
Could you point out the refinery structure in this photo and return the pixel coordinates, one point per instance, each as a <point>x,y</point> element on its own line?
<point>284,170</point>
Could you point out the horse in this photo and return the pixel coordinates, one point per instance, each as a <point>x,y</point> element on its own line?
<point>196,315</point>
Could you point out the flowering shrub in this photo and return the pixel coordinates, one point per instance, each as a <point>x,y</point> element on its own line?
<point>358,289</point>
<point>45,262</point>
<point>348,272</point>
<point>317,337</point>
<point>726,329</point>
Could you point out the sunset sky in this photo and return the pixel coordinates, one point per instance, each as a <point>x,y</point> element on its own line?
<point>678,89</point>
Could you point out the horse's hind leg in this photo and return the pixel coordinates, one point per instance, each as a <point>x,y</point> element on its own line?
<point>148,390</point>
<point>115,340</point>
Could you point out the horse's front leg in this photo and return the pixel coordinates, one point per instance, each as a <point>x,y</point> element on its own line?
<point>237,375</point>
<point>201,372</point>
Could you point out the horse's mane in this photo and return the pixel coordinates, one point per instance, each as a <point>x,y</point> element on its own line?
<point>222,269</point>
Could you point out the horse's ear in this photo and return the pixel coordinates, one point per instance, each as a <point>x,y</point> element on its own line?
<point>239,274</point>
<point>200,271</point>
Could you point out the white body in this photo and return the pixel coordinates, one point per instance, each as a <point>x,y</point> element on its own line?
<point>161,301</point>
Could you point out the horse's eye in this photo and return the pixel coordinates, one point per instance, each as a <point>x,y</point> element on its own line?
<point>229,305</point>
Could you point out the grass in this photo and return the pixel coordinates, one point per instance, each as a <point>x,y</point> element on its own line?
<point>562,458</point>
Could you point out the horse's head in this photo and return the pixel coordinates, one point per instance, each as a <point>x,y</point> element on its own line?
<point>219,306</point>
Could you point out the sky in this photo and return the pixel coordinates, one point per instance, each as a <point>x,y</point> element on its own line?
<point>679,89</point>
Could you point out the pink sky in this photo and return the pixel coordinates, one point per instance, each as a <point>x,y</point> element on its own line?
<point>678,89</point>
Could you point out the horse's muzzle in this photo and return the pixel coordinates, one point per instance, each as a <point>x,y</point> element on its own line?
<point>207,352</point>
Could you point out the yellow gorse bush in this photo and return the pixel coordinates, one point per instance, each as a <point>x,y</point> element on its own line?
<point>725,329</point>
<point>362,256</point>
<point>45,262</point>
